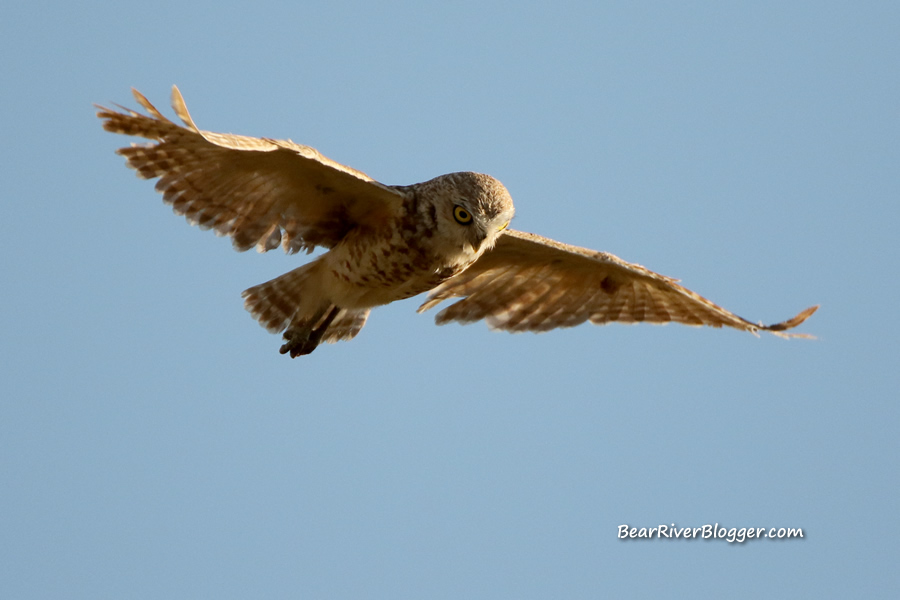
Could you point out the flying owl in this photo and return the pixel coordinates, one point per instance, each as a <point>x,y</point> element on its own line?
<point>447,236</point>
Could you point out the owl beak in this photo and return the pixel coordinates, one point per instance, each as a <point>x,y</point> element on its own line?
<point>477,242</point>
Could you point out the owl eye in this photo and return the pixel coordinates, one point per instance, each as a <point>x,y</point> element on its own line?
<point>462,216</point>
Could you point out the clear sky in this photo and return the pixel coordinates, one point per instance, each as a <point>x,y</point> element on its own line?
<point>154,444</point>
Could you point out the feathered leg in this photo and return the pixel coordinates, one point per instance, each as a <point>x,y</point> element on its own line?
<point>293,303</point>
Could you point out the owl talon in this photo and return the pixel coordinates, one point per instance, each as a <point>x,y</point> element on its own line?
<point>300,341</point>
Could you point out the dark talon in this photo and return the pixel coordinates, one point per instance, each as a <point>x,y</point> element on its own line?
<point>304,339</point>
<point>300,341</point>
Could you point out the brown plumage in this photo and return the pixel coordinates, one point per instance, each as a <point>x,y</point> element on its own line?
<point>446,236</point>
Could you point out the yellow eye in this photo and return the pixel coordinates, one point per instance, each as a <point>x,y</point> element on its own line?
<point>462,216</point>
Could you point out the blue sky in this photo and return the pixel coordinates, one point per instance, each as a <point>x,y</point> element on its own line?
<point>153,443</point>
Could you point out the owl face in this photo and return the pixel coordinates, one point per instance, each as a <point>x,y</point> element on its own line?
<point>470,213</point>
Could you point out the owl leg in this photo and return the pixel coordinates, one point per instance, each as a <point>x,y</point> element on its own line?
<point>304,338</point>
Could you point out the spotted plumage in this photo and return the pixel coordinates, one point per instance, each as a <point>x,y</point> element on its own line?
<point>447,236</point>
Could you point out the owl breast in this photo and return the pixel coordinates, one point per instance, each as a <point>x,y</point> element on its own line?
<point>372,268</point>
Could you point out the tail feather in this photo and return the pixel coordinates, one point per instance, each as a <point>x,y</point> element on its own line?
<point>276,303</point>
<point>346,325</point>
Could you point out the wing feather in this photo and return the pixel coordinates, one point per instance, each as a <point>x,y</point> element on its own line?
<point>531,283</point>
<point>259,191</point>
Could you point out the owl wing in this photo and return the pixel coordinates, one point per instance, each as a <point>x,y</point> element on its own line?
<point>261,192</point>
<point>531,283</point>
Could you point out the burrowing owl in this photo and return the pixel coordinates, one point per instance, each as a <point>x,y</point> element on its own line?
<point>447,236</point>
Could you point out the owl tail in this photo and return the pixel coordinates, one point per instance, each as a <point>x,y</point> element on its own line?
<point>291,303</point>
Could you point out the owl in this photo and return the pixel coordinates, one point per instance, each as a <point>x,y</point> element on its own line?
<point>448,236</point>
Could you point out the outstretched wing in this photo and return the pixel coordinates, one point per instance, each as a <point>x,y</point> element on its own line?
<point>531,283</point>
<point>261,192</point>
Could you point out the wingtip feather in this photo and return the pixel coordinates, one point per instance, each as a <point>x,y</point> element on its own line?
<point>779,328</point>
<point>148,106</point>
<point>181,110</point>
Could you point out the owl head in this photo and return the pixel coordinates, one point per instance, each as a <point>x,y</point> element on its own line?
<point>470,211</point>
